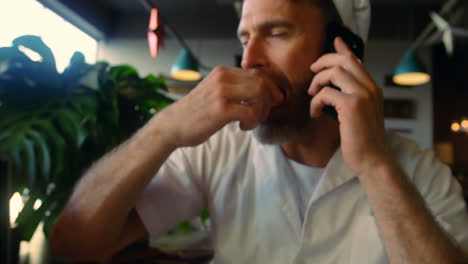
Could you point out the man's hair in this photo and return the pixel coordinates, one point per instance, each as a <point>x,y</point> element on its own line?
<point>329,11</point>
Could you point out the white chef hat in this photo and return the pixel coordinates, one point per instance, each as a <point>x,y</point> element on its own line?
<point>356,15</point>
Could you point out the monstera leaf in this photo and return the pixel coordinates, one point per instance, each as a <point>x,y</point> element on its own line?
<point>36,44</point>
<point>28,82</point>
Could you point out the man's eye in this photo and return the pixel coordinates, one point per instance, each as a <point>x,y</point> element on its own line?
<point>278,33</point>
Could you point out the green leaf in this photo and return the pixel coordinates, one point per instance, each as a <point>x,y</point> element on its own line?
<point>6,138</point>
<point>102,64</point>
<point>29,219</point>
<point>12,53</point>
<point>30,158</point>
<point>19,171</point>
<point>70,124</point>
<point>14,118</point>
<point>15,134</point>
<point>22,151</point>
<point>76,69</point>
<point>43,152</point>
<point>185,227</point>
<point>86,105</point>
<point>123,72</point>
<point>205,215</point>
<point>155,82</point>
<point>57,145</point>
<point>36,44</point>
<point>77,58</point>
<point>36,80</point>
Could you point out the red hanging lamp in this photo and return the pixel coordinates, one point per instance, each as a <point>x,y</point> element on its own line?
<point>155,33</point>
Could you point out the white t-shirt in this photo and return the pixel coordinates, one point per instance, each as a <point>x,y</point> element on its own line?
<point>305,179</point>
<point>255,207</point>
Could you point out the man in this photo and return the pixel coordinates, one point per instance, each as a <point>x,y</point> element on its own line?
<point>285,184</point>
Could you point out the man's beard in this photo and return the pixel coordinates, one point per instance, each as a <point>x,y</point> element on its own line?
<point>288,120</point>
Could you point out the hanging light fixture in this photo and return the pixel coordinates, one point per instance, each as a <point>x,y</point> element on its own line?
<point>152,36</point>
<point>411,71</point>
<point>186,67</point>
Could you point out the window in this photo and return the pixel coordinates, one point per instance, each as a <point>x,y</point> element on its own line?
<point>21,17</point>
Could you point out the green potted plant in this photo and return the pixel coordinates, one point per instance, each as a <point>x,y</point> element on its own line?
<point>54,125</point>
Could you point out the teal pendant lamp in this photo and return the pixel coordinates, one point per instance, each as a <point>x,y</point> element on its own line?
<point>411,71</point>
<point>186,67</point>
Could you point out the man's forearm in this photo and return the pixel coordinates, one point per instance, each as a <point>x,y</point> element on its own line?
<point>102,200</point>
<point>409,231</point>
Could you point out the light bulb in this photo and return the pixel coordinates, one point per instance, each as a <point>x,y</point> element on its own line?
<point>455,127</point>
<point>464,123</point>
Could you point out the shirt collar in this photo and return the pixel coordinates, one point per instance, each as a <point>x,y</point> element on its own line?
<point>336,173</point>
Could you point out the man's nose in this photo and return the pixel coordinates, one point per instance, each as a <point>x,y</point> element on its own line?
<point>253,55</point>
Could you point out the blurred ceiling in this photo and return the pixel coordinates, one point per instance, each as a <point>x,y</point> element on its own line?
<point>391,19</point>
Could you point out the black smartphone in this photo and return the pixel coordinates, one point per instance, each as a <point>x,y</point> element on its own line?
<point>354,42</point>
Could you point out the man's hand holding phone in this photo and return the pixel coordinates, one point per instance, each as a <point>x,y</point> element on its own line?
<point>225,95</point>
<point>359,105</point>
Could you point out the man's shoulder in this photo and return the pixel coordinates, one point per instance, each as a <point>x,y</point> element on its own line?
<point>422,166</point>
<point>402,146</point>
<point>410,155</point>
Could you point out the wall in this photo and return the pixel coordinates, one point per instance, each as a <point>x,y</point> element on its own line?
<point>212,52</point>
<point>381,58</point>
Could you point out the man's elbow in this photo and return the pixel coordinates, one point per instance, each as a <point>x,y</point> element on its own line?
<point>68,240</point>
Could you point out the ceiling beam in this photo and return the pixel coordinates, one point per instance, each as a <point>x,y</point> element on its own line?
<point>89,16</point>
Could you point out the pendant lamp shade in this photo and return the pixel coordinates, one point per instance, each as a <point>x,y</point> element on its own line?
<point>411,71</point>
<point>186,67</point>
<point>153,44</point>
<point>152,36</point>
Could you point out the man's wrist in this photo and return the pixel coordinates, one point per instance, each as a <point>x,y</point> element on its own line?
<point>157,132</point>
<point>380,168</point>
